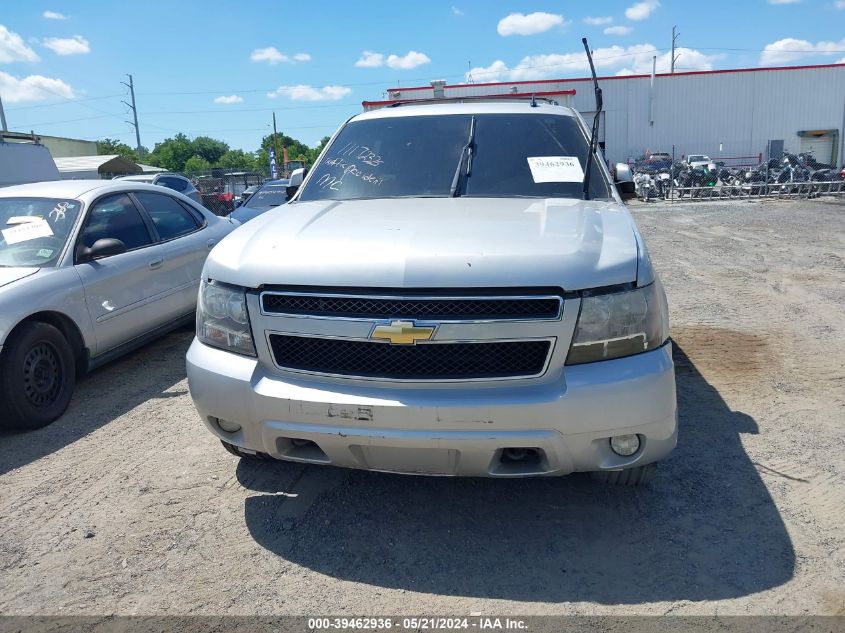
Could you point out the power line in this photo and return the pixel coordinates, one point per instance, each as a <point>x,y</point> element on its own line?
<point>66,101</point>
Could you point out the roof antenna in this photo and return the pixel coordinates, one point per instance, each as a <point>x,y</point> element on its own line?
<point>594,136</point>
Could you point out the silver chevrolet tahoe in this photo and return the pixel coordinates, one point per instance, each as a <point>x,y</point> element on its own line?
<point>442,296</point>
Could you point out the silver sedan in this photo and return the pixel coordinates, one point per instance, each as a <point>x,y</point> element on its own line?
<point>90,269</point>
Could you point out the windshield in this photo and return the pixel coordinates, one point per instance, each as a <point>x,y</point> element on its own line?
<point>512,155</point>
<point>698,158</point>
<point>268,196</point>
<point>33,231</point>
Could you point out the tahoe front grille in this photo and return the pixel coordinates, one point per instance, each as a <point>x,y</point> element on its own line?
<point>423,308</point>
<point>424,361</point>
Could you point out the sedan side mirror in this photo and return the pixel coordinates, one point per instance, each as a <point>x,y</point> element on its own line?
<point>105,247</point>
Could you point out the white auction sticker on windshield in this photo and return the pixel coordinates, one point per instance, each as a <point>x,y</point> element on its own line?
<point>27,231</point>
<point>556,169</point>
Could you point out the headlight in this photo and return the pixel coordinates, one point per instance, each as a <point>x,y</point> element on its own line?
<point>620,324</point>
<point>222,319</point>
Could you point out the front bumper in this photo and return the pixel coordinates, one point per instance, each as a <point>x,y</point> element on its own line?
<point>443,431</point>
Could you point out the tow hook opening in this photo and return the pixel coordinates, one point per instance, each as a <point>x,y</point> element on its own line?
<point>521,455</point>
<point>520,460</point>
<point>301,450</point>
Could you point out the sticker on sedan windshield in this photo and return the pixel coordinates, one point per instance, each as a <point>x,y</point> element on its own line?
<point>27,231</point>
<point>555,169</point>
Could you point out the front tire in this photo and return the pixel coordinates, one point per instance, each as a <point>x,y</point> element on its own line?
<point>37,376</point>
<point>638,476</point>
<point>237,452</point>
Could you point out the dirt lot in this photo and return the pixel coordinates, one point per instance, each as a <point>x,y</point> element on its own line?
<point>127,505</point>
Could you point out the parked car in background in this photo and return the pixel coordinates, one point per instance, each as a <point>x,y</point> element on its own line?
<point>90,269</point>
<point>475,317</point>
<point>246,194</point>
<point>268,196</point>
<point>221,189</point>
<point>171,181</point>
<point>700,161</point>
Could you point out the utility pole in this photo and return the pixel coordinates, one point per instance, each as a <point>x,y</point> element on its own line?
<point>276,145</point>
<point>2,117</point>
<point>131,86</point>
<point>674,37</point>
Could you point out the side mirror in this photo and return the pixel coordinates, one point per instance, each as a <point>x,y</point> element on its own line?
<point>101,248</point>
<point>623,172</point>
<point>295,181</point>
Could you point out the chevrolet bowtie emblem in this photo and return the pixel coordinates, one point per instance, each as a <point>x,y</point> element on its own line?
<point>402,332</point>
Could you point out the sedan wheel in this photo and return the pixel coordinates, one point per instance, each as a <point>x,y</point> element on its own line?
<point>37,376</point>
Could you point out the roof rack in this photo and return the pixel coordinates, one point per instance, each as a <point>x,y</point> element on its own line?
<point>532,98</point>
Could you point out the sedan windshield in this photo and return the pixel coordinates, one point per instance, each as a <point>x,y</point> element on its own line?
<point>482,155</point>
<point>33,231</point>
<point>267,197</point>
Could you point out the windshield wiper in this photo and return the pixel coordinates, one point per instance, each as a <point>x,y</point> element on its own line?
<point>594,134</point>
<point>467,151</point>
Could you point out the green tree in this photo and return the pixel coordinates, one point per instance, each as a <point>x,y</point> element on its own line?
<point>294,147</point>
<point>209,148</point>
<point>195,163</point>
<point>108,146</point>
<point>314,152</point>
<point>172,153</point>
<point>238,159</point>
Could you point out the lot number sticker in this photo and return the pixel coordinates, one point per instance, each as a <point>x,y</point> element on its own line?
<point>556,169</point>
<point>27,231</point>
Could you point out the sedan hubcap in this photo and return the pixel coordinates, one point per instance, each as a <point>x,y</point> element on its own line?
<point>42,375</point>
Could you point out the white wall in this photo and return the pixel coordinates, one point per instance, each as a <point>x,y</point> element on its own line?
<point>696,112</point>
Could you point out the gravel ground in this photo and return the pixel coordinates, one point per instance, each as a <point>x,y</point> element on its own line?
<point>127,505</point>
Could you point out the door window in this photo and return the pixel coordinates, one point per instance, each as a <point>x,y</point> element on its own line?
<point>170,218</point>
<point>177,184</point>
<point>116,217</point>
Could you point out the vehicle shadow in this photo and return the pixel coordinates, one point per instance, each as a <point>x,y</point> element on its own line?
<point>101,396</point>
<point>706,529</point>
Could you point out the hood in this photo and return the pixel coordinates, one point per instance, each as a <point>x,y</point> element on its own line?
<point>432,243</point>
<point>8,275</point>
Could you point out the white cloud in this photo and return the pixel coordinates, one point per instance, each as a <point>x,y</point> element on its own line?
<point>302,57</point>
<point>457,11</point>
<point>618,30</point>
<point>302,92</point>
<point>369,59</point>
<point>13,49</point>
<point>635,59</point>
<point>790,49</point>
<point>33,88</point>
<point>531,24</point>
<point>641,10</point>
<point>229,99</point>
<point>76,45</point>
<point>53,15</point>
<point>411,60</point>
<point>840,61</point>
<point>601,21</point>
<point>271,55</point>
<point>840,4</point>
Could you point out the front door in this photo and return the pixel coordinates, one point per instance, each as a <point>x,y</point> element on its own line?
<point>120,290</point>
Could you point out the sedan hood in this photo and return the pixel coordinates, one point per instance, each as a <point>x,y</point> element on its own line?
<point>8,275</point>
<point>432,243</point>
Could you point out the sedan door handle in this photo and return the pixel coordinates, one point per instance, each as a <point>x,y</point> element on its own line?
<point>156,263</point>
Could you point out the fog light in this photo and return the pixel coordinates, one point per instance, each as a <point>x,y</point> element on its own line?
<point>230,427</point>
<point>625,445</point>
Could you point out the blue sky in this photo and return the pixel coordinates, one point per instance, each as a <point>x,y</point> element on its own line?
<point>221,68</point>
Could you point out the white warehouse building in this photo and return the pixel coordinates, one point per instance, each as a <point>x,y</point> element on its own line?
<point>730,114</point>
